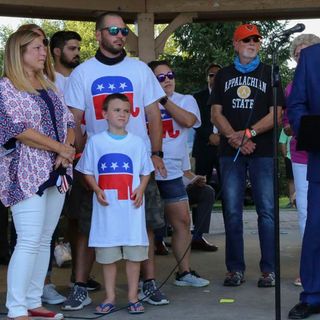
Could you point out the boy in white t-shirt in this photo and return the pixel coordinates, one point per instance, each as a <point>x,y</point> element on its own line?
<point>116,165</point>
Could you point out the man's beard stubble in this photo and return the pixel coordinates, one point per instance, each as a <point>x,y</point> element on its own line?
<point>107,47</point>
<point>69,64</point>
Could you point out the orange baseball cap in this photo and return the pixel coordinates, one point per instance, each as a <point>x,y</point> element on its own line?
<point>245,31</point>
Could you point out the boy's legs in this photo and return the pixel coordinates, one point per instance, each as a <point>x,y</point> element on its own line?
<point>108,258</point>
<point>133,272</point>
<point>134,255</point>
<point>109,278</point>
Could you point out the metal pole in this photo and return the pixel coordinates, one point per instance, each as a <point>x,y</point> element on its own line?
<point>275,84</point>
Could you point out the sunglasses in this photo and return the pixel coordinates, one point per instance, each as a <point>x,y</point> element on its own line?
<point>211,75</point>
<point>162,77</point>
<point>254,39</point>
<point>45,42</point>
<point>115,30</point>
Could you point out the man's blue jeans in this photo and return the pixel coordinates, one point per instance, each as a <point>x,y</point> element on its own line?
<point>233,178</point>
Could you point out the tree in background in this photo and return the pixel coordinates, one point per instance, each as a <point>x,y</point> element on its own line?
<point>191,48</point>
<point>199,44</point>
<point>85,29</point>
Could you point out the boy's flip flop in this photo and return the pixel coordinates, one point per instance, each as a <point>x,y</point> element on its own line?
<point>135,307</point>
<point>105,308</point>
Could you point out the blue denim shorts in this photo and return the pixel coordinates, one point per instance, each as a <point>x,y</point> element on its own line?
<point>172,190</point>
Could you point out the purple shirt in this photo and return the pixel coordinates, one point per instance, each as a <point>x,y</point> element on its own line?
<point>23,169</point>
<point>296,156</point>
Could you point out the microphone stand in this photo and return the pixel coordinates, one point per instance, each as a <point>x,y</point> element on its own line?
<point>275,81</point>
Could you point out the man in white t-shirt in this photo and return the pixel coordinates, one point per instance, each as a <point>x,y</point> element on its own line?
<point>111,71</point>
<point>65,50</point>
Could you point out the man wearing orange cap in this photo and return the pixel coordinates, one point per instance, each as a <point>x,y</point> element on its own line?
<point>242,110</point>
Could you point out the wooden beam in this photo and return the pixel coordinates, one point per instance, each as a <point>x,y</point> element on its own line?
<point>257,6</point>
<point>164,10</point>
<point>178,21</point>
<point>92,5</point>
<point>146,43</point>
<point>70,9</point>
<point>132,44</point>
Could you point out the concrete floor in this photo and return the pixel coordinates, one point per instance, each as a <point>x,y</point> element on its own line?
<point>250,302</point>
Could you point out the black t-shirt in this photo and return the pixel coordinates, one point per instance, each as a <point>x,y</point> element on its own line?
<point>245,99</point>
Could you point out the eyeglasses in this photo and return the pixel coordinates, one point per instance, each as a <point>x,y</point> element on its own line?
<point>113,30</point>
<point>162,76</point>
<point>254,39</point>
<point>211,75</point>
<point>45,42</point>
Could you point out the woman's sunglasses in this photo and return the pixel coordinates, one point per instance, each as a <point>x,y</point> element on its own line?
<point>115,30</point>
<point>45,42</point>
<point>162,76</point>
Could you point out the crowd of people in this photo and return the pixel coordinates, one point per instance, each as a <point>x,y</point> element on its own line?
<point>115,129</point>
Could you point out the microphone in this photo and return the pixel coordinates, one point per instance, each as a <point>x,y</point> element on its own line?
<point>299,27</point>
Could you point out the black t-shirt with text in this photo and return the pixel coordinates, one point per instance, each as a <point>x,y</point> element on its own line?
<point>240,94</point>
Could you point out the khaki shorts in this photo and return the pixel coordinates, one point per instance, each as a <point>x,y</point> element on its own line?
<point>113,254</point>
<point>153,205</point>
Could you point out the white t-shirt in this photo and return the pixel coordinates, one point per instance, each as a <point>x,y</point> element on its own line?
<point>92,81</point>
<point>175,136</point>
<point>116,166</point>
<point>61,81</point>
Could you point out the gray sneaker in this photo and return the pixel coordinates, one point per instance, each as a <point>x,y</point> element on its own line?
<point>190,279</point>
<point>77,299</point>
<point>234,279</point>
<point>151,294</point>
<point>267,280</point>
<point>51,296</point>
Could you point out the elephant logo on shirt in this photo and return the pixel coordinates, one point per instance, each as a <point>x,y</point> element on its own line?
<point>116,173</point>
<point>104,86</point>
<point>167,125</point>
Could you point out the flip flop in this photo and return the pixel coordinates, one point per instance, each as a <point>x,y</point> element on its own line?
<point>135,307</point>
<point>103,306</point>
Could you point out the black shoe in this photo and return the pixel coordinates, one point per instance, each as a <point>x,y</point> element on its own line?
<point>160,248</point>
<point>4,260</point>
<point>203,245</point>
<point>303,310</point>
<point>91,285</point>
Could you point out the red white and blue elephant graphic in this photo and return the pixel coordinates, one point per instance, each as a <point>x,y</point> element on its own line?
<point>116,173</point>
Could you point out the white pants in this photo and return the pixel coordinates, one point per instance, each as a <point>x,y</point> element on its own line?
<point>301,186</point>
<point>35,220</point>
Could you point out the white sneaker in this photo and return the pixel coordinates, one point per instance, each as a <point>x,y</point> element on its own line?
<point>190,279</point>
<point>62,253</point>
<point>51,296</point>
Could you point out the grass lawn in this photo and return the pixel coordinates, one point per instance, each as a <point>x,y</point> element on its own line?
<point>283,201</point>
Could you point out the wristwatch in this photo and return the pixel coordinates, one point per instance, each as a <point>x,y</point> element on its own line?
<point>163,100</point>
<point>253,132</point>
<point>157,153</point>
